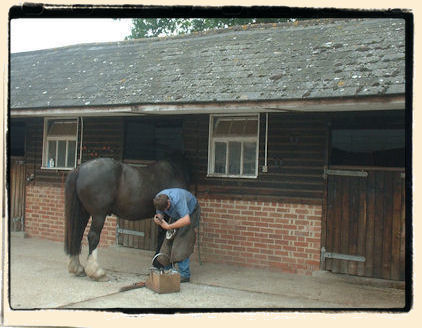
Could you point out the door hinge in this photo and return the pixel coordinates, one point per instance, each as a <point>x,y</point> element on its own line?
<point>347,173</point>
<point>338,256</point>
<point>130,232</point>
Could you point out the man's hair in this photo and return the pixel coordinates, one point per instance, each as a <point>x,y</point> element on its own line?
<point>161,202</point>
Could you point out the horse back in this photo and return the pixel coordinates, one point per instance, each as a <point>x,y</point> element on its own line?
<point>105,186</point>
<point>97,184</point>
<point>139,185</point>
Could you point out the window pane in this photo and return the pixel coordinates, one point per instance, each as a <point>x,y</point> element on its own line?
<point>62,128</point>
<point>234,157</point>
<point>249,158</point>
<point>71,153</point>
<point>251,128</point>
<point>61,153</point>
<point>51,157</point>
<point>220,158</point>
<point>237,128</point>
<point>222,128</point>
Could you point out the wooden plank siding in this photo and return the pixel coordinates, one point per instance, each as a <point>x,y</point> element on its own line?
<point>103,137</point>
<point>296,158</point>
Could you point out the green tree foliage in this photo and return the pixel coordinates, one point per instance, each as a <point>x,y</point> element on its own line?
<point>153,27</point>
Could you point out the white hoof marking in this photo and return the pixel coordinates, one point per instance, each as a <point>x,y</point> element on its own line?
<point>93,270</point>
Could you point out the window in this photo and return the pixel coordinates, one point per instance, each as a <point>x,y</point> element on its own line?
<point>17,138</point>
<point>368,147</point>
<point>233,148</point>
<point>152,139</point>
<point>60,136</point>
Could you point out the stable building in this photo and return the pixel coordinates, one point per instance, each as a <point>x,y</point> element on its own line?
<point>295,133</point>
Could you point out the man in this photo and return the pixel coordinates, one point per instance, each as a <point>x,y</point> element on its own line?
<point>184,211</point>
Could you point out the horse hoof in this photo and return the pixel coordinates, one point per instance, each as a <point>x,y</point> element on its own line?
<point>79,272</point>
<point>76,269</point>
<point>93,270</point>
<point>99,275</point>
<point>96,273</point>
<point>102,278</point>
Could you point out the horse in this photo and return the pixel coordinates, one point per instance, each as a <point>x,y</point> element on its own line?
<point>105,186</point>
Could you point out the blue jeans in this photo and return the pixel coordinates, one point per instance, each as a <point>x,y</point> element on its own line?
<point>183,267</point>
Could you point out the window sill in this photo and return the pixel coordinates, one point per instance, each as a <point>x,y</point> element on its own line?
<point>57,168</point>
<point>213,175</point>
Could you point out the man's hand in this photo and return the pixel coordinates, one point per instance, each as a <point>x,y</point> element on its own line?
<point>158,219</point>
<point>161,222</point>
<point>184,221</point>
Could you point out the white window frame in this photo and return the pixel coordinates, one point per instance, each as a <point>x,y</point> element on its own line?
<point>46,139</point>
<point>211,147</point>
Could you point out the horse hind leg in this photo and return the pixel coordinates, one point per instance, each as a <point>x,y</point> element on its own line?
<point>75,266</point>
<point>92,268</point>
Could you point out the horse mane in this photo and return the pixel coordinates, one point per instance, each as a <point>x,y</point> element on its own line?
<point>180,164</point>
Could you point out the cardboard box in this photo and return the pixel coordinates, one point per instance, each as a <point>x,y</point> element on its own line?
<point>163,282</point>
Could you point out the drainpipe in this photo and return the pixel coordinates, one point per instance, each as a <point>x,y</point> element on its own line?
<point>265,167</point>
<point>82,136</point>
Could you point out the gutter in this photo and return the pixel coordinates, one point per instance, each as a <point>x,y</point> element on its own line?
<point>71,111</point>
<point>369,103</point>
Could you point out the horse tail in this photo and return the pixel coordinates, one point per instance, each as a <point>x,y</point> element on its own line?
<point>76,217</point>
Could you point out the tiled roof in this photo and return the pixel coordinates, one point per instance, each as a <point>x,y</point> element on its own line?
<point>300,60</point>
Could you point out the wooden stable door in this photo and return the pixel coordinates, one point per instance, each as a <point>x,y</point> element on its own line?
<point>365,223</point>
<point>137,234</point>
<point>17,193</point>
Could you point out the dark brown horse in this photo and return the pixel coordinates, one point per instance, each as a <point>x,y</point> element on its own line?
<point>103,186</point>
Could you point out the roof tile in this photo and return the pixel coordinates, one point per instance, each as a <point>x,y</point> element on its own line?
<point>309,59</point>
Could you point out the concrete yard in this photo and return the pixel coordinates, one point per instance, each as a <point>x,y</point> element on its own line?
<point>39,280</point>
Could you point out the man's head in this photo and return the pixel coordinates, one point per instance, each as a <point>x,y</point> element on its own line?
<point>161,202</point>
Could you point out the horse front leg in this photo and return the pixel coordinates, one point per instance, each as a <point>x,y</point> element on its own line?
<point>92,268</point>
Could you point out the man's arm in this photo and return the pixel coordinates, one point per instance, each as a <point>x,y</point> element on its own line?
<point>182,222</point>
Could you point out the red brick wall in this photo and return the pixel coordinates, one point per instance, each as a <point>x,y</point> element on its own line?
<point>280,236</point>
<point>44,215</point>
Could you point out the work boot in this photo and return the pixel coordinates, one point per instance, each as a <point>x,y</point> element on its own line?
<point>184,279</point>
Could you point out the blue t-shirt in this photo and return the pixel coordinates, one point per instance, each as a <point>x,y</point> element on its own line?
<point>182,202</point>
